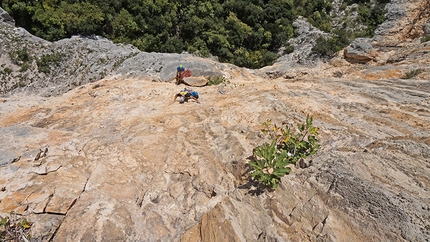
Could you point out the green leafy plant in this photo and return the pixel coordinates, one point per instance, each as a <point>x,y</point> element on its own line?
<point>270,161</point>
<point>328,47</point>
<point>425,39</point>
<point>20,57</point>
<point>24,67</point>
<point>6,71</point>
<point>14,229</point>
<point>216,80</point>
<point>412,74</point>
<point>45,62</point>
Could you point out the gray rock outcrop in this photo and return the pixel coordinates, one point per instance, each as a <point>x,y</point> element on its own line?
<point>360,51</point>
<point>404,21</point>
<point>6,18</point>
<point>53,68</point>
<point>303,44</point>
<point>302,55</point>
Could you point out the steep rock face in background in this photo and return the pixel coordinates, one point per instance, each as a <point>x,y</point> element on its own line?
<point>32,65</point>
<point>389,52</point>
<point>404,21</point>
<point>110,159</point>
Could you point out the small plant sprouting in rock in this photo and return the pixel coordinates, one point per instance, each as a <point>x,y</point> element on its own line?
<point>270,161</point>
<point>216,80</point>
<point>45,61</point>
<point>425,39</point>
<point>20,57</point>
<point>412,74</point>
<point>13,229</point>
<point>159,69</point>
<point>6,71</point>
<point>24,67</point>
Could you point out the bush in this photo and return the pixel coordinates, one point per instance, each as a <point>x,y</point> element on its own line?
<point>19,57</point>
<point>24,67</point>
<point>325,47</point>
<point>425,39</point>
<point>270,161</point>
<point>45,61</point>
<point>330,46</point>
<point>6,71</point>
<point>413,73</point>
<point>216,80</point>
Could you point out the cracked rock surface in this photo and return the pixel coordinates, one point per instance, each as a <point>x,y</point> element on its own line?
<point>122,163</point>
<point>112,159</point>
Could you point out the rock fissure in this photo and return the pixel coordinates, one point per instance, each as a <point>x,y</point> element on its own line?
<point>47,202</point>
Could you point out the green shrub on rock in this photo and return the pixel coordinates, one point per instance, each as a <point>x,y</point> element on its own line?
<point>45,62</point>
<point>270,161</point>
<point>216,80</point>
<point>20,57</point>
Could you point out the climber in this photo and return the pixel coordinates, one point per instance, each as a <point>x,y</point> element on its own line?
<point>186,94</point>
<point>181,73</point>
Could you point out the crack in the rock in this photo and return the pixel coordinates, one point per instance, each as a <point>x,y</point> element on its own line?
<point>323,222</point>
<point>55,232</point>
<point>67,211</point>
<point>332,185</point>
<point>139,200</point>
<point>46,172</point>
<point>47,203</point>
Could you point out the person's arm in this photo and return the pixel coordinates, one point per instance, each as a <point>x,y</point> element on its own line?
<point>177,78</point>
<point>196,99</point>
<point>174,98</point>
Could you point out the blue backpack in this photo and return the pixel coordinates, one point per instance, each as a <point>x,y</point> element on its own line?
<point>192,92</point>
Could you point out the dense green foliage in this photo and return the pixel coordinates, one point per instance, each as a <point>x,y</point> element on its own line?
<point>271,161</point>
<point>247,33</point>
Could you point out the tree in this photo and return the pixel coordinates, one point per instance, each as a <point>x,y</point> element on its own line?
<point>248,33</point>
<point>237,31</point>
<point>124,27</point>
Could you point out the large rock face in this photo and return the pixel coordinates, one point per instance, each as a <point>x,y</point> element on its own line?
<point>121,163</point>
<point>404,21</point>
<point>115,160</point>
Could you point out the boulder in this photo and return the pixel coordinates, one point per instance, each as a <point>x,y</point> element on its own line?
<point>360,51</point>
<point>195,81</point>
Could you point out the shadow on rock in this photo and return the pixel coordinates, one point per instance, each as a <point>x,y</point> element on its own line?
<point>254,187</point>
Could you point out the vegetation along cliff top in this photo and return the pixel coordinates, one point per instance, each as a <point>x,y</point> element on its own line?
<point>250,34</point>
